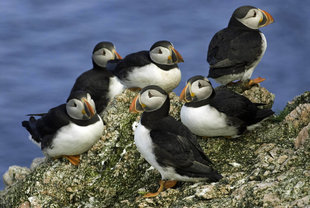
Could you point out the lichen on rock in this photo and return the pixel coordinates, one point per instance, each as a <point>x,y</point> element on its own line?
<point>261,168</point>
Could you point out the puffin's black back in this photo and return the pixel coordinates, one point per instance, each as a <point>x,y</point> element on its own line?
<point>176,146</point>
<point>239,109</point>
<point>125,65</point>
<point>138,59</point>
<point>44,129</point>
<point>96,82</point>
<point>233,49</point>
<point>235,105</point>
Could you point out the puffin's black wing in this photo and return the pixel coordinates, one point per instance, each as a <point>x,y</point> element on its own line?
<point>111,65</point>
<point>96,83</point>
<point>232,51</point>
<point>238,106</point>
<point>125,65</point>
<point>43,129</point>
<point>176,147</point>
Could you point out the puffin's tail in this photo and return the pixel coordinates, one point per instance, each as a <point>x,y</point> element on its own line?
<point>262,114</point>
<point>215,176</point>
<point>200,170</point>
<point>32,129</point>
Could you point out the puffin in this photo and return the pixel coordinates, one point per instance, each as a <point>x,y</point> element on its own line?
<point>158,66</point>
<point>99,81</point>
<point>235,51</point>
<point>166,143</point>
<point>67,130</point>
<point>221,112</point>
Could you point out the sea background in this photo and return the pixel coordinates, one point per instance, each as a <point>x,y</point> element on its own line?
<point>45,45</point>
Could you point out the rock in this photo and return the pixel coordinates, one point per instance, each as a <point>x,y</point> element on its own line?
<point>24,205</point>
<point>300,116</point>
<point>261,168</point>
<point>212,191</point>
<point>255,94</point>
<point>260,95</point>
<point>14,174</point>
<point>303,135</point>
<point>37,161</point>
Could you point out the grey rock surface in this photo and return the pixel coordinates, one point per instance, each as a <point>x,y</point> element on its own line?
<point>262,168</point>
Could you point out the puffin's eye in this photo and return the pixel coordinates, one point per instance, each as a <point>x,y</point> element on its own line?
<point>199,85</point>
<point>159,51</point>
<point>254,15</point>
<point>103,52</point>
<point>75,105</point>
<point>150,94</point>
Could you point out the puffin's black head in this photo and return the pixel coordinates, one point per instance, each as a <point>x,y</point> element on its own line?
<point>80,106</point>
<point>163,52</point>
<point>252,17</point>
<point>104,52</point>
<point>149,99</point>
<point>197,88</point>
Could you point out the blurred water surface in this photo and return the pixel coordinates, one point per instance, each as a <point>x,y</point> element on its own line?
<point>45,45</point>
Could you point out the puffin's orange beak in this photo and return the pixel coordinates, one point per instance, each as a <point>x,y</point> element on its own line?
<point>136,106</point>
<point>117,55</point>
<point>89,111</point>
<point>186,94</point>
<point>178,55</point>
<point>175,56</point>
<point>267,19</point>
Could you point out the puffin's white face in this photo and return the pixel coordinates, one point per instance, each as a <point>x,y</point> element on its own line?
<point>197,88</point>
<point>161,55</point>
<point>151,100</point>
<point>102,56</point>
<point>252,19</point>
<point>201,89</point>
<point>81,109</point>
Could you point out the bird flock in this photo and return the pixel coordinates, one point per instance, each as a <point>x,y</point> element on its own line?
<point>167,144</point>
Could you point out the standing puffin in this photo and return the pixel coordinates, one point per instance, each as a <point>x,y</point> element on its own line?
<point>166,143</point>
<point>99,82</point>
<point>222,112</point>
<point>69,129</point>
<point>158,66</point>
<point>235,51</point>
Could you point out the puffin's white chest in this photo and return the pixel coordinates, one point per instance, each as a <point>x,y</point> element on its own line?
<point>153,75</point>
<point>206,121</point>
<point>74,140</point>
<point>115,87</point>
<point>144,145</point>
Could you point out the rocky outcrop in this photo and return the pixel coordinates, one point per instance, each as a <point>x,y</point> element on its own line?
<point>267,167</point>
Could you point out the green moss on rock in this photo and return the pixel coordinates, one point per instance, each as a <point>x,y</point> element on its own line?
<point>261,168</point>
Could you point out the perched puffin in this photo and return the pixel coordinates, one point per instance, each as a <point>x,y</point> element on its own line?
<point>99,82</point>
<point>235,51</point>
<point>69,129</point>
<point>222,112</point>
<point>158,66</point>
<point>166,143</point>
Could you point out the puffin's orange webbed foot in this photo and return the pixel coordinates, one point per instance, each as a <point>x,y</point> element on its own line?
<point>74,159</point>
<point>161,188</point>
<point>256,81</point>
<point>170,184</point>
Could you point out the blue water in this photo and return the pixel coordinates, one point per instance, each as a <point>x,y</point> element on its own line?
<point>45,45</point>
